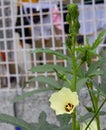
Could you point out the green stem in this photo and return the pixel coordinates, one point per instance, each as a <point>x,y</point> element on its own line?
<point>95,104</point>
<point>72,19</point>
<point>74,62</point>
<point>74,78</point>
<point>98,122</point>
<point>68,81</point>
<point>74,120</point>
<point>96,114</point>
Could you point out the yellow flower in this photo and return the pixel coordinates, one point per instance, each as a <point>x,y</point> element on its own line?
<point>93,126</point>
<point>64,101</point>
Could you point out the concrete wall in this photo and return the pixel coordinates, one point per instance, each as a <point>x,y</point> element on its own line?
<point>6,107</point>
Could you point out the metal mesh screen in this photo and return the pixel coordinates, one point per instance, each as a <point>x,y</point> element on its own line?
<point>25,26</point>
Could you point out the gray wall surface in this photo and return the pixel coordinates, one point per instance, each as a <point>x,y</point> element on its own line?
<point>6,107</point>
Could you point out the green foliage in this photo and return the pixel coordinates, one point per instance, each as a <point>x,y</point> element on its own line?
<point>72,18</point>
<point>43,124</point>
<point>47,50</point>
<point>64,120</point>
<point>86,117</point>
<point>99,39</point>
<point>16,122</point>
<point>46,80</point>
<point>89,109</point>
<point>30,93</point>
<point>69,42</point>
<point>94,70</point>
<point>88,51</point>
<point>49,68</point>
<point>102,87</point>
<point>80,83</point>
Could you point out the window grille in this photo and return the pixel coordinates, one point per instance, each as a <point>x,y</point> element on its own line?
<point>27,26</point>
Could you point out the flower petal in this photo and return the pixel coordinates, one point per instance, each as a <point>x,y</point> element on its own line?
<point>64,101</point>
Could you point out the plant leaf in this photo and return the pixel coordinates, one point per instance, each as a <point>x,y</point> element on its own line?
<point>81,83</point>
<point>86,116</point>
<point>93,68</point>
<point>49,68</point>
<point>96,73</point>
<point>28,94</point>
<point>100,90</point>
<point>64,119</point>
<point>99,39</point>
<point>90,115</point>
<point>65,127</point>
<point>89,109</point>
<point>102,113</point>
<point>14,121</point>
<point>53,52</point>
<point>102,87</point>
<point>43,124</point>
<point>42,116</point>
<point>47,80</point>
